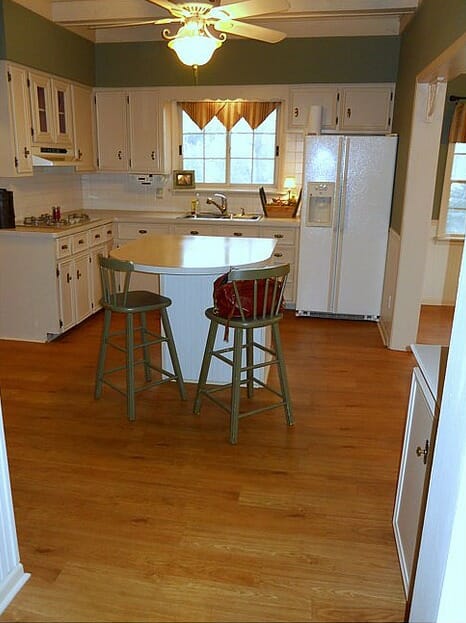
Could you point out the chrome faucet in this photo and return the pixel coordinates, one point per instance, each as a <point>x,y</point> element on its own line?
<point>223,206</point>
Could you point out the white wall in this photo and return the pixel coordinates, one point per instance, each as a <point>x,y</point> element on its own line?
<point>442,270</point>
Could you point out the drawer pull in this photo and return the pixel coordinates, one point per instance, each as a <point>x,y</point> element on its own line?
<point>64,247</point>
<point>142,231</point>
<point>194,232</point>
<point>109,232</point>
<point>81,241</point>
<point>119,154</point>
<point>278,254</point>
<point>237,233</point>
<point>278,235</point>
<point>97,236</point>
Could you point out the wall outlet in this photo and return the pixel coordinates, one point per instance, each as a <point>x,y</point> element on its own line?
<point>159,193</point>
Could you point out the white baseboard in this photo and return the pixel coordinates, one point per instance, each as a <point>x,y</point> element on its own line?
<point>11,585</point>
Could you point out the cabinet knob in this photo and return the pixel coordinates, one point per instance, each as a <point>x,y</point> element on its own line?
<point>348,112</point>
<point>68,277</point>
<point>278,235</point>
<point>119,154</point>
<point>152,155</point>
<point>295,112</point>
<point>423,451</point>
<point>26,152</point>
<point>78,274</point>
<point>80,154</point>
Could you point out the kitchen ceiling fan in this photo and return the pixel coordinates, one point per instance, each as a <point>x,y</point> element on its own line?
<point>195,41</point>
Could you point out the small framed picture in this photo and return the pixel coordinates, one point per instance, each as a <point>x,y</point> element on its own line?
<point>183,179</point>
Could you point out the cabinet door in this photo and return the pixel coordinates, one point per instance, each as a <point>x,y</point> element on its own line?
<point>41,109</point>
<point>301,100</point>
<point>366,109</point>
<point>62,113</point>
<point>20,119</point>
<point>414,475</point>
<point>144,132</point>
<point>111,120</point>
<point>65,293</point>
<point>83,127</point>
<point>82,284</point>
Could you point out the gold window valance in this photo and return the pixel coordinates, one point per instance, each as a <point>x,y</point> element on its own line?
<point>458,124</point>
<point>228,113</point>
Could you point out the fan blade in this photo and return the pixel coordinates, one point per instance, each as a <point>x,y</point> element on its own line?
<point>174,9</point>
<point>165,20</point>
<point>248,8</point>
<point>249,31</point>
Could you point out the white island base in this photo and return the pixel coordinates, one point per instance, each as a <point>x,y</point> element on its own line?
<point>191,296</point>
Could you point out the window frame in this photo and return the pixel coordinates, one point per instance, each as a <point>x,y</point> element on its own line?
<point>445,198</point>
<point>278,159</point>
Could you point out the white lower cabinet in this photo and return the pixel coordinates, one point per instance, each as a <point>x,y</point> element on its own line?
<point>49,282</point>
<point>285,253</point>
<point>414,474</point>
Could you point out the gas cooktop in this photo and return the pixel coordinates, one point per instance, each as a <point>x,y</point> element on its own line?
<point>48,220</point>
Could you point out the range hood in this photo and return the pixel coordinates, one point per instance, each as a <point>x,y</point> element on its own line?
<point>48,156</point>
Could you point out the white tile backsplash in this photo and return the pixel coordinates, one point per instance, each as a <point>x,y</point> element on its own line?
<point>47,187</point>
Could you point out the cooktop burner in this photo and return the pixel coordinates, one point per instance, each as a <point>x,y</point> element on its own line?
<point>47,220</point>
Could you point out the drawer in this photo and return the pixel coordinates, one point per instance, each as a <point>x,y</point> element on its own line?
<point>284,236</point>
<point>135,230</point>
<point>97,235</point>
<point>283,255</point>
<point>236,229</point>
<point>189,229</point>
<point>63,247</point>
<point>109,230</point>
<point>80,242</point>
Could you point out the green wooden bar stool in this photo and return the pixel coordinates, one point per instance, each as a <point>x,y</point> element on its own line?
<point>259,305</point>
<point>117,297</point>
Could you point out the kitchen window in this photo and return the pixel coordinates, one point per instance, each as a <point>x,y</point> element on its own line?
<point>230,143</point>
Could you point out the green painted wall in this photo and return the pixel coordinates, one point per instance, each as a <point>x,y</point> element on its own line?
<point>325,59</point>
<point>32,40</point>
<point>436,25</point>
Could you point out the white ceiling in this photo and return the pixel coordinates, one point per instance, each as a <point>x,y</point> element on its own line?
<point>304,18</point>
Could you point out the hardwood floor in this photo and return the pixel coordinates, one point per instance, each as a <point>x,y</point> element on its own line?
<point>163,520</point>
<point>435,323</point>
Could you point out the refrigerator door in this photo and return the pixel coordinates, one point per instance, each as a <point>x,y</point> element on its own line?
<point>319,224</point>
<point>366,199</point>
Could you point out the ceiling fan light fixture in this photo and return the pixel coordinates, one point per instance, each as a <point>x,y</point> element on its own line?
<point>193,44</point>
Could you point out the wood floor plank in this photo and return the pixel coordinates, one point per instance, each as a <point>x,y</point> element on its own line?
<point>162,519</point>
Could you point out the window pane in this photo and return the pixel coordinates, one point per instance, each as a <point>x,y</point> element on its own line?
<point>197,164</point>
<point>264,145</point>
<point>241,171</point>
<point>459,167</point>
<point>193,145</point>
<point>215,125</point>
<point>457,197</point>
<point>263,171</point>
<point>215,145</point>
<point>456,222</point>
<point>215,171</point>
<point>189,125</point>
<point>241,145</point>
<point>241,126</point>
<point>269,124</point>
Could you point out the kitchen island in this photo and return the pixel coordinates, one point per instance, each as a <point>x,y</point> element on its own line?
<point>188,266</point>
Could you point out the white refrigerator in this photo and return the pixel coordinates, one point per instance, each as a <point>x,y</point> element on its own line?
<point>347,197</point>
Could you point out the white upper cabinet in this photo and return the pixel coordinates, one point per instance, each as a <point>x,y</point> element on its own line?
<point>83,127</point>
<point>366,109</point>
<point>15,122</point>
<point>51,110</point>
<point>361,109</point>
<point>112,135</point>
<point>144,132</point>
<point>301,101</point>
<point>128,131</point>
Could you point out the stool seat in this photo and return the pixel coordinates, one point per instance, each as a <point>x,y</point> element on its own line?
<point>262,306</point>
<point>117,297</point>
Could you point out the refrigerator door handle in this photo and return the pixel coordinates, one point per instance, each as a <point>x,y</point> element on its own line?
<point>340,225</point>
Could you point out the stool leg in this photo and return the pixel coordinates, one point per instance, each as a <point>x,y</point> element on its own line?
<point>236,384</point>
<point>250,361</point>
<point>145,348</point>
<point>282,374</point>
<point>173,354</point>
<point>206,359</point>
<point>130,366</point>
<point>102,354</point>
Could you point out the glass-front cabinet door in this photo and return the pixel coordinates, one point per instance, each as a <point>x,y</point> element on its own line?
<point>51,110</point>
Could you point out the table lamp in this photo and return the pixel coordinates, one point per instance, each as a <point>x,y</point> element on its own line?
<point>289,184</point>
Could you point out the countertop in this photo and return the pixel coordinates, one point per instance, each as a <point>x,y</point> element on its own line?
<point>432,360</point>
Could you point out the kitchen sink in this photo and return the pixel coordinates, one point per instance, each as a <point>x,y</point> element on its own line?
<point>212,216</point>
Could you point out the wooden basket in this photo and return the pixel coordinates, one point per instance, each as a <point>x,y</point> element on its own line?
<point>277,210</point>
